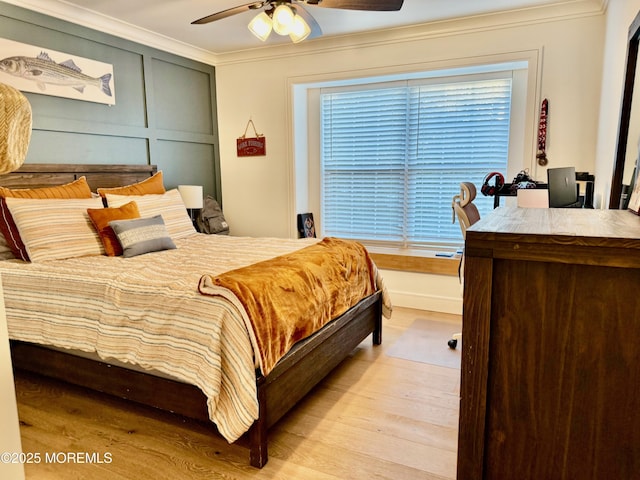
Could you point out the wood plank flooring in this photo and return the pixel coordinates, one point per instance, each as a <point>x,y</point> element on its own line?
<point>374,417</point>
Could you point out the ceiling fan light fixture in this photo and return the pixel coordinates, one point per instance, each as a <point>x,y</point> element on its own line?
<point>283,18</point>
<point>261,26</point>
<point>299,30</point>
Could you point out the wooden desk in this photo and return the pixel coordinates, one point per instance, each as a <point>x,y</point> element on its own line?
<point>551,353</point>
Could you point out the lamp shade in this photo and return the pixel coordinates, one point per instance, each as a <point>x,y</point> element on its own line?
<point>261,26</point>
<point>191,195</point>
<point>15,128</point>
<point>299,30</point>
<point>282,19</point>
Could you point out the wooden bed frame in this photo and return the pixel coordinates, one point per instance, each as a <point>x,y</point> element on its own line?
<point>291,379</point>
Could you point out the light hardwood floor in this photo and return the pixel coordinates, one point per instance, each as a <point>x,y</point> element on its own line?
<point>374,417</point>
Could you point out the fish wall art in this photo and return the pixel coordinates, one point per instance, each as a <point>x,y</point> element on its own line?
<point>41,70</point>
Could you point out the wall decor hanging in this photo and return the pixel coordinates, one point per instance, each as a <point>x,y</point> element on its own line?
<point>41,70</point>
<point>542,133</point>
<point>251,146</point>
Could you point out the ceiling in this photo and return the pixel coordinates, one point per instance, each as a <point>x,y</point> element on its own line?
<point>170,20</point>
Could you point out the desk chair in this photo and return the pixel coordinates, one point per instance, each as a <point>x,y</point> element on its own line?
<point>467,213</point>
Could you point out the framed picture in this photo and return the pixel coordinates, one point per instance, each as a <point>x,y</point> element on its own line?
<point>36,69</point>
<point>306,226</point>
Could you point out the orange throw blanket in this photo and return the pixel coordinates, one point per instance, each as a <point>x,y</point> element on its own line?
<point>289,297</point>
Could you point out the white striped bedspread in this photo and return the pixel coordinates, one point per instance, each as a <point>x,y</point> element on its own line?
<point>147,311</point>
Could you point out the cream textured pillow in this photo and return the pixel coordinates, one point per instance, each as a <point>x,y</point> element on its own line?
<point>79,188</point>
<point>53,229</point>
<point>169,205</point>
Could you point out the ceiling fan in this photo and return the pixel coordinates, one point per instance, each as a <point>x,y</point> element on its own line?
<point>287,17</point>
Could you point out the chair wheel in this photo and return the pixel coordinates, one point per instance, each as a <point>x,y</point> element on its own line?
<point>453,343</point>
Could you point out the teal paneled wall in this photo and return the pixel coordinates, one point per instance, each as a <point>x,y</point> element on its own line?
<point>176,90</point>
<point>50,146</point>
<point>164,112</point>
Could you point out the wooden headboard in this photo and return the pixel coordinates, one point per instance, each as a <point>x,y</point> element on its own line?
<point>51,174</point>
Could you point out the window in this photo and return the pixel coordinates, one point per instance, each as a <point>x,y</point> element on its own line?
<point>393,155</point>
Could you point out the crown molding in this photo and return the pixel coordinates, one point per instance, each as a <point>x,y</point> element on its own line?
<point>572,9</point>
<point>86,18</point>
<point>491,21</point>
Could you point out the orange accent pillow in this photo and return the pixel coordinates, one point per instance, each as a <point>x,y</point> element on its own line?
<point>100,217</point>
<point>77,189</point>
<point>153,185</point>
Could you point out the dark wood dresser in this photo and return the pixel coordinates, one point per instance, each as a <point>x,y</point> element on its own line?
<point>551,346</point>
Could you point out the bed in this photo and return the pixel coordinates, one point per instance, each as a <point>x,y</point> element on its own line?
<point>142,373</point>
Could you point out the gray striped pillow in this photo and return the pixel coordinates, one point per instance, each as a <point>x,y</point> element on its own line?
<point>169,205</point>
<point>142,235</point>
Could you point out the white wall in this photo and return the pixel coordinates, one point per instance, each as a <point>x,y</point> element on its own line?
<point>620,14</point>
<point>258,192</point>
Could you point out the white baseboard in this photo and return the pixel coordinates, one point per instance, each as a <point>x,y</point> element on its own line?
<point>432,303</point>
<point>435,293</point>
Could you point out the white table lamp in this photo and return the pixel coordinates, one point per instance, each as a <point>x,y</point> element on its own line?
<point>192,197</point>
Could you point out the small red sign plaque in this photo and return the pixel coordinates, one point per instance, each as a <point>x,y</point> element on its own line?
<point>251,146</point>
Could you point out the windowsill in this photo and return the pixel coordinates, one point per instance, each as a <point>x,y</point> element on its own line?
<point>415,261</point>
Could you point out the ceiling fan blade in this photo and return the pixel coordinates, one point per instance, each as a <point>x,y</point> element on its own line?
<point>372,5</point>
<point>229,12</point>
<point>316,31</point>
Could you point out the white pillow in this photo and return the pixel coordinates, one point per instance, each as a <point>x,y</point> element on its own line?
<point>53,229</point>
<point>169,205</point>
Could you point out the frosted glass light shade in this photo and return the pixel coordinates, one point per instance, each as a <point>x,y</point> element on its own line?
<point>282,20</point>
<point>299,30</point>
<point>191,195</point>
<point>261,26</point>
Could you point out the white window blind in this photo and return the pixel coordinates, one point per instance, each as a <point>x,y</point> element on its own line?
<point>393,157</point>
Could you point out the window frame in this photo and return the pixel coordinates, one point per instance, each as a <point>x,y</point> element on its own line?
<point>305,121</point>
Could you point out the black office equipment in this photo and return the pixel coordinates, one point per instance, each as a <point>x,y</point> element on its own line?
<point>563,189</point>
<point>588,195</point>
